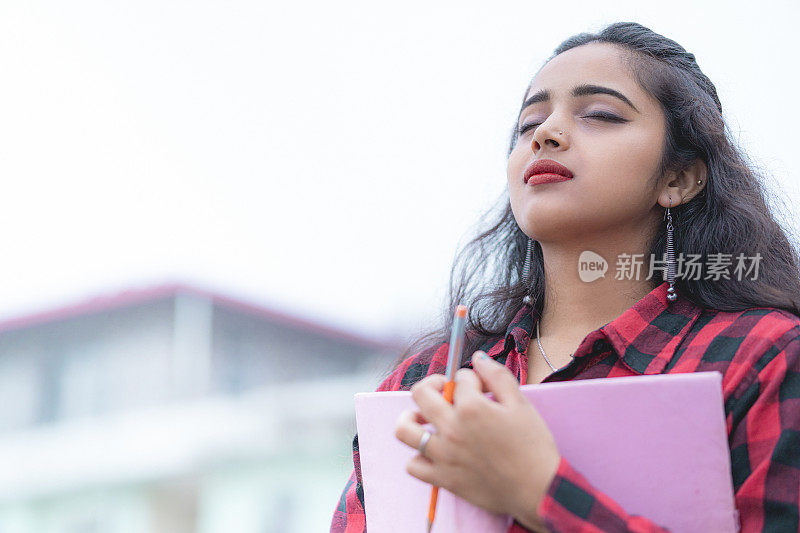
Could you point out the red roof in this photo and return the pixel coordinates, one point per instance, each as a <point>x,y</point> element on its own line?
<point>131,297</point>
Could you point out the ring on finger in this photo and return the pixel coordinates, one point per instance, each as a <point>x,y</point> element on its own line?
<point>423,443</point>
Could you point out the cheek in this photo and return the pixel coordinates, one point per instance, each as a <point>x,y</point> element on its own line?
<point>642,152</point>
<point>626,167</point>
<point>516,163</point>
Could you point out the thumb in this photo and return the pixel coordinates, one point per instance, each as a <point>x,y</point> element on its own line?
<point>497,378</point>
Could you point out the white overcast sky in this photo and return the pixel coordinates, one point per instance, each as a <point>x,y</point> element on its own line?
<point>325,158</point>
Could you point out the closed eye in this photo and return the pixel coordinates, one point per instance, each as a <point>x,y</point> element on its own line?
<point>606,116</point>
<point>600,116</point>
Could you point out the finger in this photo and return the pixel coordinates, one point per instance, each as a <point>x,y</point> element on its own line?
<point>498,379</point>
<point>409,431</point>
<point>434,381</point>
<point>427,394</point>
<point>468,387</point>
<point>405,427</point>
<point>423,469</point>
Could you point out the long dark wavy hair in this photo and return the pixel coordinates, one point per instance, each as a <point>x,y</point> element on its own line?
<point>730,215</point>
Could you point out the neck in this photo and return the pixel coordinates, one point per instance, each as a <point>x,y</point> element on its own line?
<point>573,307</point>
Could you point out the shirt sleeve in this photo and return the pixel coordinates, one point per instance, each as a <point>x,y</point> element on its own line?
<point>573,504</point>
<point>764,436</point>
<point>349,515</point>
<point>763,417</point>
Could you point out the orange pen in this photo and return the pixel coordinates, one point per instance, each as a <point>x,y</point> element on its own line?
<point>453,359</point>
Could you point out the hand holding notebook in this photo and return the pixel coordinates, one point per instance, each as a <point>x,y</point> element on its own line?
<point>475,437</point>
<point>642,440</point>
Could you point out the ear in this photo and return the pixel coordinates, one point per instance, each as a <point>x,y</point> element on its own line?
<point>680,187</point>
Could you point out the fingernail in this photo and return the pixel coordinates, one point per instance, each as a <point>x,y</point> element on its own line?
<point>483,355</point>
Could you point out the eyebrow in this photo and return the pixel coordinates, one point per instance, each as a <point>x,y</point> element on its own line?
<point>579,90</point>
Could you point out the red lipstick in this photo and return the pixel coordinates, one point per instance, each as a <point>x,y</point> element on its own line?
<point>546,171</point>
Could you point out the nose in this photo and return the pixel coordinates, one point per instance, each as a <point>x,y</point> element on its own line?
<point>548,134</point>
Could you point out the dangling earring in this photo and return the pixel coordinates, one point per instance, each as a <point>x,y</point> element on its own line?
<point>671,295</point>
<point>526,270</point>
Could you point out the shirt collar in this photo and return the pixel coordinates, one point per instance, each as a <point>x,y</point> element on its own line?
<point>645,336</point>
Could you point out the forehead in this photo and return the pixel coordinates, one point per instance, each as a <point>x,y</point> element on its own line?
<point>596,63</point>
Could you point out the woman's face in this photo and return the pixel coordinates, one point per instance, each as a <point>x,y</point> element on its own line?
<point>612,144</point>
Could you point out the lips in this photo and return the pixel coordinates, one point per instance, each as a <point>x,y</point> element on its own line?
<point>546,171</point>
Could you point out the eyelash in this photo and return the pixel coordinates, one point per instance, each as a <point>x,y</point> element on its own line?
<point>603,116</point>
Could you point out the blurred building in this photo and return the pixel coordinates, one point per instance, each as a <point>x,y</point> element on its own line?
<point>176,410</point>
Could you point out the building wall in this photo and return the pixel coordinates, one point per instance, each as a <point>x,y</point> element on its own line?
<point>177,416</point>
<point>248,352</point>
<point>86,366</point>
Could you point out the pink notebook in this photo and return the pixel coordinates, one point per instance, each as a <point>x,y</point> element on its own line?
<point>657,445</point>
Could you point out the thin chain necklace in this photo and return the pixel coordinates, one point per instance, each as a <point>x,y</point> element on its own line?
<point>542,349</point>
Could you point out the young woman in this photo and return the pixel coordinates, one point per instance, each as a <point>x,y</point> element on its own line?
<point>619,151</point>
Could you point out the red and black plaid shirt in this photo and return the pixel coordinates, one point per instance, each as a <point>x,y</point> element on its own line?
<point>757,350</point>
